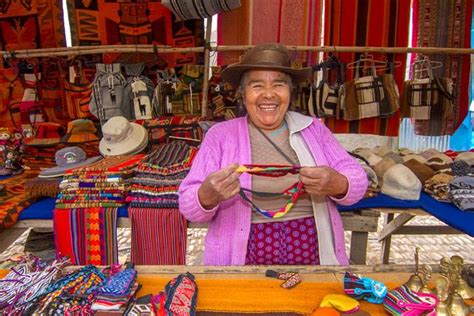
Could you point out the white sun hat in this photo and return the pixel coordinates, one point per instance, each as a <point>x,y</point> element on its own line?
<point>121,137</point>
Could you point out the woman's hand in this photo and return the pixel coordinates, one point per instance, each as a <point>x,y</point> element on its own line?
<point>219,186</point>
<point>323,181</point>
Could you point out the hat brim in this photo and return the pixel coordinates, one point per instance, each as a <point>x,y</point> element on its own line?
<point>42,142</point>
<point>79,138</point>
<point>233,73</point>
<point>134,141</point>
<point>60,171</point>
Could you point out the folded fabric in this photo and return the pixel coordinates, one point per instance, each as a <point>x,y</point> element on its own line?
<point>461,193</point>
<point>340,302</point>
<point>462,168</point>
<point>437,186</point>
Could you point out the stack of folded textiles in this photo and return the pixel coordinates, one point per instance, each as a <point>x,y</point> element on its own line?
<point>85,218</point>
<point>154,213</point>
<point>102,184</point>
<point>157,177</point>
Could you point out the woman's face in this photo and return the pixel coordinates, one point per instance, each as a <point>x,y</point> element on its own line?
<point>266,96</point>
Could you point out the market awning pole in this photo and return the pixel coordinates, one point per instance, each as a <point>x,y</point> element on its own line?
<point>207,57</point>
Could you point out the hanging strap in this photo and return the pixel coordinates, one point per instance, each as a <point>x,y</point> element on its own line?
<point>292,162</point>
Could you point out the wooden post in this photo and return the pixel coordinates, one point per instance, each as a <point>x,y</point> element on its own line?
<point>207,57</point>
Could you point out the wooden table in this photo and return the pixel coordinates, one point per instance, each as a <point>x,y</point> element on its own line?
<point>395,220</point>
<point>360,223</point>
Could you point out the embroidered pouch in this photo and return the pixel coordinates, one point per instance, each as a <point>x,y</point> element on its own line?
<point>403,301</point>
<point>364,288</point>
<point>181,296</point>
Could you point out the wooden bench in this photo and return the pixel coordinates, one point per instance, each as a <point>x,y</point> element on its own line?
<point>360,223</point>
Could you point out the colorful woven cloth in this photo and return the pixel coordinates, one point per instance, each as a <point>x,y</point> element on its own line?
<point>244,295</point>
<point>158,228</point>
<point>438,23</point>
<point>14,200</point>
<point>371,23</point>
<point>158,236</point>
<point>85,218</point>
<point>87,236</point>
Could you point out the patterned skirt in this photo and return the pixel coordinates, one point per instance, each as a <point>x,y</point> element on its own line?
<point>293,242</point>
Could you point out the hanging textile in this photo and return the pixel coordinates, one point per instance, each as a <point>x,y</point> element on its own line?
<point>159,231</point>
<point>368,23</point>
<point>104,22</point>
<point>11,93</point>
<point>158,236</point>
<point>87,235</point>
<point>439,23</point>
<point>31,24</point>
<point>261,21</point>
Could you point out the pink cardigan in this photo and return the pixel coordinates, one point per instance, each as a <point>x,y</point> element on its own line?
<point>229,223</point>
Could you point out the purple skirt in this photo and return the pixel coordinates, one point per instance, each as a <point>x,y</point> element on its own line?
<point>293,242</point>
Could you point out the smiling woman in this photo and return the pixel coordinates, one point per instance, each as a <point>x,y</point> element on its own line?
<point>243,228</point>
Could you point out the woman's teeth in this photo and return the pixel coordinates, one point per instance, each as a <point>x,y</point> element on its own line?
<point>267,107</point>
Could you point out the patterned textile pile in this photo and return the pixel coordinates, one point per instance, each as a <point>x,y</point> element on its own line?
<point>158,229</point>
<point>85,218</point>
<point>34,287</point>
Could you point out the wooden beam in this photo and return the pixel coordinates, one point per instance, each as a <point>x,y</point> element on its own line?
<point>153,49</point>
<point>394,225</point>
<point>351,223</point>
<point>361,269</point>
<point>358,253</point>
<point>359,223</point>
<point>427,230</point>
<point>207,57</point>
<point>387,242</point>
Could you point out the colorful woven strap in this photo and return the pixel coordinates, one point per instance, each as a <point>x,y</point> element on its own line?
<point>293,192</point>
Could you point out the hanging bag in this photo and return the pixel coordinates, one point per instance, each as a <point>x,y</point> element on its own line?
<point>325,96</point>
<point>428,100</point>
<point>369,96</point>
<point>139,92</point>
<point>107,98</point>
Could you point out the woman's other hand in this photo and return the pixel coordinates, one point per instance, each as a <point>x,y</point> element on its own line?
<point>323,181</point>
<point>219,186</point>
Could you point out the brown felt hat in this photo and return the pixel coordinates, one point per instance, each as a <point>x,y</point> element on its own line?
<point>422,171</point>
<point>271,56</point>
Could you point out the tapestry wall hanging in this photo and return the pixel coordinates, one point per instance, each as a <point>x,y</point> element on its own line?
<point>438,23</point>
<point>31,24</point>
<point>130,22</point>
